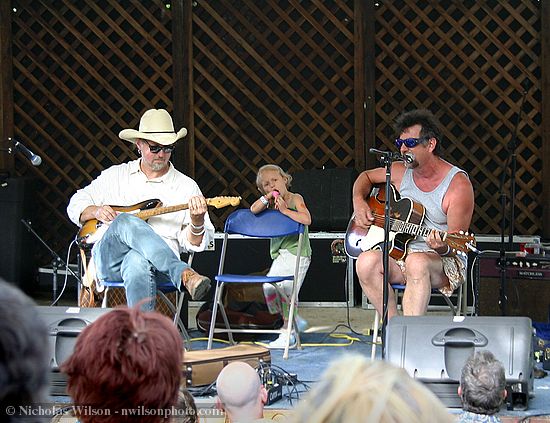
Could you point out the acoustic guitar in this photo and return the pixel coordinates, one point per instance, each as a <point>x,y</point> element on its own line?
<point>93,229</point>
<point>406,217</point>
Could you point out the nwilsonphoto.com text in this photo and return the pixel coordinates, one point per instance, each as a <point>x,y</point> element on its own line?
<point>50,410</point>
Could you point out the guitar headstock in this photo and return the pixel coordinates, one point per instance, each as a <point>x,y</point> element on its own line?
<point>219,202</point>
<point>461,242</point>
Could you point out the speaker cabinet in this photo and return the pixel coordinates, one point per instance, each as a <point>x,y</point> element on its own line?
<point>327,193</point>
<point>64,325</point>
<point>526,297</point>
<point>17,246</point>
<point>433,349</point>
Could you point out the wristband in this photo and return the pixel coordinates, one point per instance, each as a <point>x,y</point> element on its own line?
<point>197,233</point>
<point>446,253</point>
<point>264,200</point>
<point>198,228</point>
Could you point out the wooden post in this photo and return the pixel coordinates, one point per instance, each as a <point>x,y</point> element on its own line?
<point>6,88</point>
<point>182,56</point>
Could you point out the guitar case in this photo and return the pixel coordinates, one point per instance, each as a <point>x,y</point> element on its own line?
<point>202,367</point>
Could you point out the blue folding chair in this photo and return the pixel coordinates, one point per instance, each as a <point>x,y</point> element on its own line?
<point>267,224</point>
<point>162,290</point>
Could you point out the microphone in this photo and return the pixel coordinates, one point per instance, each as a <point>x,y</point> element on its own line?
<point>409,157</point>
<point>395,155</point>
<point>35,159</point>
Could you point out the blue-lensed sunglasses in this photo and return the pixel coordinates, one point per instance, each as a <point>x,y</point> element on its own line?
<point>409,142</point>
<point>157,148</point>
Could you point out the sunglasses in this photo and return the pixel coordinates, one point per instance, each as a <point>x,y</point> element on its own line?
<point>158,148</point>
<point>409,142</point>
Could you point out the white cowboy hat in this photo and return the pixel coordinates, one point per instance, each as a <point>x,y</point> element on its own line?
<point>155,125</point>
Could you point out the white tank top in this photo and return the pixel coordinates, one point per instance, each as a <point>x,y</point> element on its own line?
<point>434,217</point>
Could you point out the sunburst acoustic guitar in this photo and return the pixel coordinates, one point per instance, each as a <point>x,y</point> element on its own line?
<point>406,218</point>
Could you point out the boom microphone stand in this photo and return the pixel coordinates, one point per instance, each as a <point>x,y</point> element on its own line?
<point>511,148</point>
<point>386,158</point>
<point>57,261</point>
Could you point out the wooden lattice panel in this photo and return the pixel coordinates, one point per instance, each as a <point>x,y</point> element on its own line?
<point>82,72</point>
<point>466,61</point>
<point>273,83</point>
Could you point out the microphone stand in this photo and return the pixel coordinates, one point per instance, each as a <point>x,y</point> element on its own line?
<point>511,160</point>
<point>57,261</point>
<point>386,158</point>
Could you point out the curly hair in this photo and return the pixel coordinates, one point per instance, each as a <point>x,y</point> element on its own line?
<point>431,127</point>
<point>483,382</point>
<point>125,360</point>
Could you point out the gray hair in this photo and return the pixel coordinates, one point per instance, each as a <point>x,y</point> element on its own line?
<point>483,382</point>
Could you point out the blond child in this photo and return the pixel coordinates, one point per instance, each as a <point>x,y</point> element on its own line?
<point>273,183</point>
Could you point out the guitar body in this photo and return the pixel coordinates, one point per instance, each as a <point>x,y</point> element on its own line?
<point>93,229</point>
<point>402,211</point>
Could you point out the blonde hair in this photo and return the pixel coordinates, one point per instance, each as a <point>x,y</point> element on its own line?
<point>276,168</point>
<point>354,389</point>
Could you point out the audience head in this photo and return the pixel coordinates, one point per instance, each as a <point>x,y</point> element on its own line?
<point>24,358</point>
<point>124,360</point>
<point>354,389</point>
<point>188,408</point>
<point>482,383</point>
<point>240,392</point>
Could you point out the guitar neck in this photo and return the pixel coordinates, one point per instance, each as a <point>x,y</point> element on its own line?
<point>414,229</point>
<point>146,214</point>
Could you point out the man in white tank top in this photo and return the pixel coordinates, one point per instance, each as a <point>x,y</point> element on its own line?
<point>447,195</point>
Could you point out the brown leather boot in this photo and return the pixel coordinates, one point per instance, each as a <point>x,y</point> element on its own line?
<point>197,285</point>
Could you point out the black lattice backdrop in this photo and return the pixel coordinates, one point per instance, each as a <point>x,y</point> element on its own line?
<point>274,82</point>
<point>82,72</point>
<point>466,61</point>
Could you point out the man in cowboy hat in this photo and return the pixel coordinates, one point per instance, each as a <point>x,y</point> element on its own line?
<point>145,253</point>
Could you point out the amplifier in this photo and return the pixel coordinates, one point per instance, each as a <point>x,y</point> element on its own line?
<point>526,289</point>
<point>530,266</point>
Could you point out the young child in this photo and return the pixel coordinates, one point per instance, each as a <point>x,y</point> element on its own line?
<point>273,183</point>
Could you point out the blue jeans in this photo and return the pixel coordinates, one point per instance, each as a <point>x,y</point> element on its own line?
<point>131,251</point>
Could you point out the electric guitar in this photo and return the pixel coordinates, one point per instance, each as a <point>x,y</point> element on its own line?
<point>406,217</point>
<point>93,229</point>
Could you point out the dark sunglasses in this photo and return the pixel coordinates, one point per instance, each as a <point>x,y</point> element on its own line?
<point>157,148</point>
<point>409,142</point>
